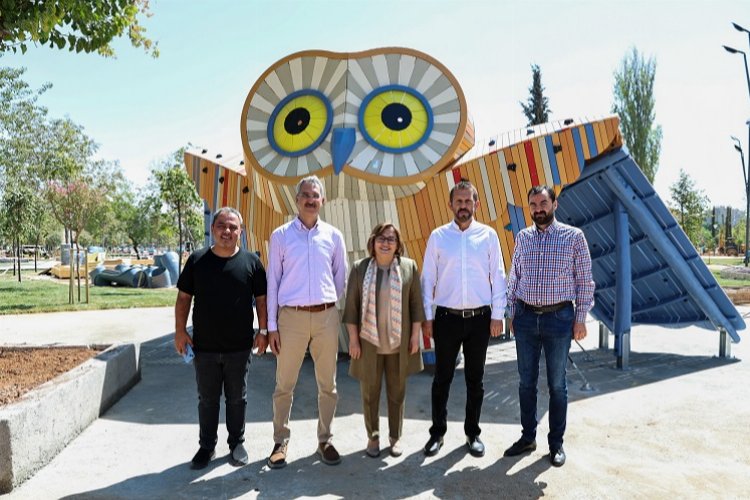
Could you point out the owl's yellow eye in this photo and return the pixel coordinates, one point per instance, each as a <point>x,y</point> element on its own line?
<point>395,119</point>
<point>300,122</point>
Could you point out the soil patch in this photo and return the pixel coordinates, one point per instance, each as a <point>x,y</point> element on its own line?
<point>23,368</point>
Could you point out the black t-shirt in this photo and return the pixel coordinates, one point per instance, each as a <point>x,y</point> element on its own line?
<point>223,290</point>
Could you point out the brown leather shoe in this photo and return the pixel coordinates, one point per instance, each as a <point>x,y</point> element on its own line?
<point>328,454</point>
<point>373,448</point>
<point>277,460</point>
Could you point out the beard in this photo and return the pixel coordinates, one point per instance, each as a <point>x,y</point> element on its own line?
<point>543,218</point>
<point>463,215</point>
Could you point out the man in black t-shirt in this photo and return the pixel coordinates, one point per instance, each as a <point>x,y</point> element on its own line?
<point>221,281</point>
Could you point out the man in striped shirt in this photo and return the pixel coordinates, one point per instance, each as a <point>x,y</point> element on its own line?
<point>550,291</point>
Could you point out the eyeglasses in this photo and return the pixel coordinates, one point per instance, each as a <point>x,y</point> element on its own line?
<point>386,239</point>
<point>309,196</point>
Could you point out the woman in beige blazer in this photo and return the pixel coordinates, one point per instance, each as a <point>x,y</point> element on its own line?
<point>383,315</point>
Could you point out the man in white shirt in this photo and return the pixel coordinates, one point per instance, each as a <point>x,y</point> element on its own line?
<point>463,275</point>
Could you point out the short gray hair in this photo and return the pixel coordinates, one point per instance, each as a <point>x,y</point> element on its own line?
<point>315,181</point>
<point>225,210</point>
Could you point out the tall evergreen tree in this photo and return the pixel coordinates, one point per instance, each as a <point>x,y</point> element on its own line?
<point>536,107</point>
<point>634,102</point>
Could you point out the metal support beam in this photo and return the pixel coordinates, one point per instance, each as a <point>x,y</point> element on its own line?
<point>603,336</point>
<point>623,286</point>
<point>623,359</point>
<point>725,344</point>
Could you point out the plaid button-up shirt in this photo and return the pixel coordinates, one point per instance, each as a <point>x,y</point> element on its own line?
<point>550,267</point>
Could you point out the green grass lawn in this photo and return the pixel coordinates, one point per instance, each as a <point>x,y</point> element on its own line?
<point>723,261</point>
<point>729,282</point>
<point>35,294</point>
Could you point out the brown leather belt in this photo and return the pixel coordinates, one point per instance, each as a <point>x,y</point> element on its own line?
<point>314,309</point>
<point>546,309</point>
<point>467,313</point>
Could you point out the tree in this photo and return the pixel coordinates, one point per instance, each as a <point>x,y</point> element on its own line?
<point>21,120</point>
<point>81,25</point>
<point>634,102</point>
<point>178,192</point>
<point>19,207</point>
<point>140,216</point>
<point>73,203</point>
<point>689,205</point>
<point>536,108</point>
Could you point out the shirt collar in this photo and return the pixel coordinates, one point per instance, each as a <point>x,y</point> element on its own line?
<point>455,226</point>
<point>301,226</point>
<point>550,229</point>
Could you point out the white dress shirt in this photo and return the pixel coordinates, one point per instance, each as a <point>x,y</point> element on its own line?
<point>463,269</point>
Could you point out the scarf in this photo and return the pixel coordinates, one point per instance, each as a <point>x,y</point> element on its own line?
<point>369,330</point>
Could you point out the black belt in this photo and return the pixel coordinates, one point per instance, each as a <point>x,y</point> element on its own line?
<point>467,313</point>
<point>546,309</point>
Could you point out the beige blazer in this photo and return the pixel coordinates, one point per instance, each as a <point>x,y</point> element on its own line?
<point>412,311</point>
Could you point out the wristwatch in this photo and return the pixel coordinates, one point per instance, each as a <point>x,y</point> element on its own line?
<point>263,331</point>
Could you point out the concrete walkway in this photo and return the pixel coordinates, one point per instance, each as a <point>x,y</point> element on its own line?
<point>674,425</point>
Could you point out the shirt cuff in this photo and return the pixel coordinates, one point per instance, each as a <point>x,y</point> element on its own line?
<point>581,316</point>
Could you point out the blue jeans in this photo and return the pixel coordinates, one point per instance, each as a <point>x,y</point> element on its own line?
<point>215,371</point>
<point>553,332</point>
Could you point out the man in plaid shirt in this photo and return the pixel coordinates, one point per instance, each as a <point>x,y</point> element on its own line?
<point>550,291</point>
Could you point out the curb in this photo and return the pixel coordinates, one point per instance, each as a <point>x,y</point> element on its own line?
<point>34,429</point>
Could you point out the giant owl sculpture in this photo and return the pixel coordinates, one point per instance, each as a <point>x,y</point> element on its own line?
<point>388,132</point>
<point>385,130</point>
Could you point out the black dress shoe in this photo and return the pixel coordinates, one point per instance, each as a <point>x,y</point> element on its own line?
<point>475,445</point>
<point>557,457</point>
<point>519,447</point>
<point>433,445</point>
<point>201,459</point>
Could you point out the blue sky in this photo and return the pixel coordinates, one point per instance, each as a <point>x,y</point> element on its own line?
<point>140,109</point>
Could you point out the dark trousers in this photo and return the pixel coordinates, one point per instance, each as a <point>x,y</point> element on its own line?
<point>215,371</point>
<point>449,333</point>
<point>551,332</point>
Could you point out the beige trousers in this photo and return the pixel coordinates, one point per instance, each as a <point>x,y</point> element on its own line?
<point>395,389</point>
<point>299,330</point>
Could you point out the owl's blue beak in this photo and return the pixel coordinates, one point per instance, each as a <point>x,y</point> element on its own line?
<point>342,144</point>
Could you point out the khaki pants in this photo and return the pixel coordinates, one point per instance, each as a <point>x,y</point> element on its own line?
<point>299,330</point>
<point>395,389</point>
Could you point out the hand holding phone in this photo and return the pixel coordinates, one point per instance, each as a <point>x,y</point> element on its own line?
<point>189,354</point>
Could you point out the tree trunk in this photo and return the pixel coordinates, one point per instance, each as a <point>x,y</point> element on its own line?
<point>18,257</point>
<point>137,252</point>
<point>71,282</point>
<point>36,252</point>
<point>78,269</point>
<point>13,255</point>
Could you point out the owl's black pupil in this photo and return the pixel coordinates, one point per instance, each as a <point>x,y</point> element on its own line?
<point>396,116</point>
<point>297,121</point>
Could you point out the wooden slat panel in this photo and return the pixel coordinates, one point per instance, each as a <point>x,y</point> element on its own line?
<point>513,175</point>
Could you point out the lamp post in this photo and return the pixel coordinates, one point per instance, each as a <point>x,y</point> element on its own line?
<point>738,146</point>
